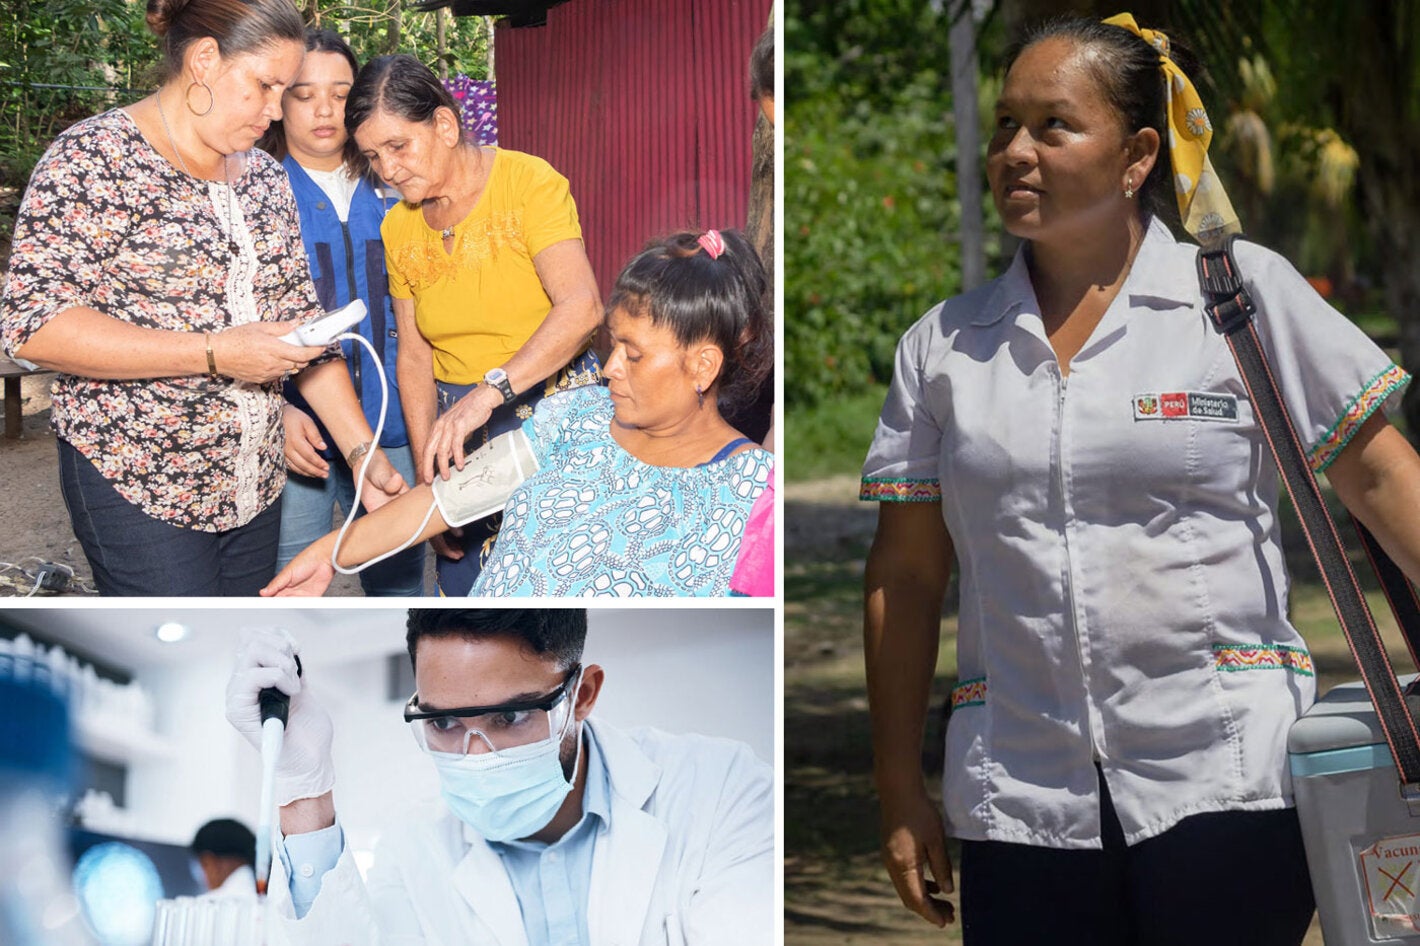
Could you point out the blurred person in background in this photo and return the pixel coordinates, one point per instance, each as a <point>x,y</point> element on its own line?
<point>225,851</point>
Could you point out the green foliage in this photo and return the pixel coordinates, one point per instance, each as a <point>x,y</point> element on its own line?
<point>870,48</point>
<point>375,29</point>
<point>97,44</point>
<point>868,217</point>
<point>869,209</point>
<point>871,220</point>
<point>831,438</point>
<point>62,60</point>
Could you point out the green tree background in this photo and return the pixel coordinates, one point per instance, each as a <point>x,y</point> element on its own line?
<point>61,60</point>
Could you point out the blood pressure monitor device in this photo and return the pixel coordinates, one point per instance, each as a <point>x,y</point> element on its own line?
<point>328,327</point>
<point>488,478</point>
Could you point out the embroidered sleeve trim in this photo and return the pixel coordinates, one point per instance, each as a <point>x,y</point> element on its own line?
<point>1231,657</point>
<point>1362,406</point>
<point>892,490</point>
<point>969,693</point>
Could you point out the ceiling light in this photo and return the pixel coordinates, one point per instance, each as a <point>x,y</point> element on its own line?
<point>171,632</point>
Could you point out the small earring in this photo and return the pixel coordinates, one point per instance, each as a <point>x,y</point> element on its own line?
<point>1128,189</point>
<point>700,396</point>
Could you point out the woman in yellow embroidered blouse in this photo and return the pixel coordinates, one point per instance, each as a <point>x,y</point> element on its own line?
<point>493,293</point>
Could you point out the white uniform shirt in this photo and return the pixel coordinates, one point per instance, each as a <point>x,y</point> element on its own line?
<point>1123,595</point>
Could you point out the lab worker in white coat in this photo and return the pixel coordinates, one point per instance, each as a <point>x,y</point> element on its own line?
<point>554,828</point>
<point>223,850</point>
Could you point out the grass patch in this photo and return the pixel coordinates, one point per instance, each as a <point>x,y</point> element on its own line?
<point>832,438</point>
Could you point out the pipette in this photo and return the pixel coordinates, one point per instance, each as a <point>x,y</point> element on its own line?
<point>275,707</point>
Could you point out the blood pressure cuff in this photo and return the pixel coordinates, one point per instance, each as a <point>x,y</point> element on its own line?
<point>488,478</point>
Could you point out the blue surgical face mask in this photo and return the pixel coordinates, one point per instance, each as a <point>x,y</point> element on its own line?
<point>511,794</point>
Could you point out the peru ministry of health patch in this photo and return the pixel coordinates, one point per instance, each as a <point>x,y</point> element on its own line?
<point>1186,405</point>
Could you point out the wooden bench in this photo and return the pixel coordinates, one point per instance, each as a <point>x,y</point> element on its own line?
<point>14,416</point>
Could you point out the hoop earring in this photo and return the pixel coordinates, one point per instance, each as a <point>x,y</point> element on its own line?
<point>187,95</point>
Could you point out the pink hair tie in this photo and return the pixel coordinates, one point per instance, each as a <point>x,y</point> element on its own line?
<point>712,242</point>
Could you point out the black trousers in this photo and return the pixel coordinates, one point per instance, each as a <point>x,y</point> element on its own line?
<point>1235,878</point>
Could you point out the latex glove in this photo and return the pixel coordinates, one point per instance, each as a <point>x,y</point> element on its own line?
<point>266,657</point>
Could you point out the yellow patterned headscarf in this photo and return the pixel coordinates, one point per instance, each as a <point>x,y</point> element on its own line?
<point>1202,203</point>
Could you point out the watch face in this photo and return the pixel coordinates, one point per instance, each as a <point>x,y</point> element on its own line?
<point>498,378</point>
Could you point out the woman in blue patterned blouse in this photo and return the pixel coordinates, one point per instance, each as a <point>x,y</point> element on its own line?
<point>642,487</point>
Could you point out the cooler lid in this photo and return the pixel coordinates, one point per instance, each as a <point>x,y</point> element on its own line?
<point>1342,719</point>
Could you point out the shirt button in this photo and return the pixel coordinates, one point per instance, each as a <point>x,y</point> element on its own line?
<point>553,857</point>
<point>307,870</point>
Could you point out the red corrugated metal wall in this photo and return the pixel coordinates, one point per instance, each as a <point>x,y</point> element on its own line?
<point>644,105</point>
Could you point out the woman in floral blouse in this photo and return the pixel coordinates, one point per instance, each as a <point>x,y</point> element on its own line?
<point>157,261</point>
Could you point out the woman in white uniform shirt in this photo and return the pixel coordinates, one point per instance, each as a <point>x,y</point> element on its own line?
<point>1078,437</point>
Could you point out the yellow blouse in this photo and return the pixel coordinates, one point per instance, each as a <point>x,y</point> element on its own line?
<point>479,304</point>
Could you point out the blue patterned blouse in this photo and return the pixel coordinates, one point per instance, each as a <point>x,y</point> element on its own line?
<point>596,521</point>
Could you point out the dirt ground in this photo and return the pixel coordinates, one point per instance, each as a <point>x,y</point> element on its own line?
<point>34,525</point>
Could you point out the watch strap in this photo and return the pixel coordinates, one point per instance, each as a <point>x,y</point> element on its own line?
<point>500,383</point>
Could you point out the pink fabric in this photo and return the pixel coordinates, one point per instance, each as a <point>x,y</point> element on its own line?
<point>754,572</point>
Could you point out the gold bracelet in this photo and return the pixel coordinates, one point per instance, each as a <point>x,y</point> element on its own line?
<point>356,452</point>
<point>211,361</point>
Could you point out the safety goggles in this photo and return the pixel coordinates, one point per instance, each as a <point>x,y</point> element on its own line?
<point>497,728</point>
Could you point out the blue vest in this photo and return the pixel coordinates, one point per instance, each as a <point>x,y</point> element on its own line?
<point>348,261</point>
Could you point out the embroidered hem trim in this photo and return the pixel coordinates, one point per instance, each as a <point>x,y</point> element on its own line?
<point>1231,657</point>
<point>1362,406</point>
<point>969,693</point>
<point>889,490</point>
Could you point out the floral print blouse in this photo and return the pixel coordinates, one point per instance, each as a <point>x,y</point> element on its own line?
<point>109,224</point>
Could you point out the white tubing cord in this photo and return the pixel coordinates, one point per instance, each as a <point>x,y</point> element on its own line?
<point>360,477</point>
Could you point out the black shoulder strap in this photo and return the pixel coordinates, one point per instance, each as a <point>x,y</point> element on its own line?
<point>1231,310</point>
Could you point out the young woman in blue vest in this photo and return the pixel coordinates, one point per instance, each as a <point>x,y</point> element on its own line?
<point>341,206</point>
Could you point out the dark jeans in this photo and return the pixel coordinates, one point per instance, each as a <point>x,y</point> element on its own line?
<point>131,553</point>
<point>1215,879</point>
<point>306,506</point>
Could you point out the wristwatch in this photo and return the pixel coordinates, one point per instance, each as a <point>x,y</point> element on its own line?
<point>498,378</point>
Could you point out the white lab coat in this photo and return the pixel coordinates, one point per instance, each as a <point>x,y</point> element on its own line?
<point>687,860</point>
<point>240,883</point>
